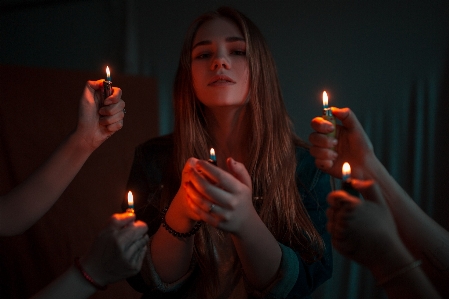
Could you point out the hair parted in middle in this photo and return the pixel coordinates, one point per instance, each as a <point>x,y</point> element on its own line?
<point>271,146</point>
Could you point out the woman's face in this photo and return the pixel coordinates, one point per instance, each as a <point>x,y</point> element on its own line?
<point>219,66</point>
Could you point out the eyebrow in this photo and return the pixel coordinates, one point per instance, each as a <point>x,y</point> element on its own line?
<point>228,40</point>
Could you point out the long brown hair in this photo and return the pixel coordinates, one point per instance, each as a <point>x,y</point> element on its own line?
<point>272,161</point>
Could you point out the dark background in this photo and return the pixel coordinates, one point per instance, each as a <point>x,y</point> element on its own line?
<point>386,60</point>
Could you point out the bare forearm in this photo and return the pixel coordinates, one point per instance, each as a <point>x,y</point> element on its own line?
<point>70,285</point>
<point>34,197</point>
<point>259,253</point>
<point>172,255</point>
<point>401,276</point>
<point>424,238</point>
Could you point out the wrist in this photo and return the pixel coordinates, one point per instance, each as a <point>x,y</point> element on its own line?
<point>80,142</point>
<point>89,275</point>
<point>177,228</point>
<point>395,258</point>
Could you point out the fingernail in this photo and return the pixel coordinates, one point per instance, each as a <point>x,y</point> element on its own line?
<point>331,128</point>
<point>334,142</point>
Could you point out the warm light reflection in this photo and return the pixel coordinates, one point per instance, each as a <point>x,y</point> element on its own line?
<point>325,100</point>
<point>346,171</point>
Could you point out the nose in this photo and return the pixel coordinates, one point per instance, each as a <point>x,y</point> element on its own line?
<point>220,61</point>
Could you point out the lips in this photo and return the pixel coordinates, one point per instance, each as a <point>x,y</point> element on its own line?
<point>220,79</point>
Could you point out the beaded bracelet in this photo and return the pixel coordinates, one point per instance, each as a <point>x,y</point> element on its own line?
<point>88,277</point>
<point>400,272</point>
<point>175,233</point>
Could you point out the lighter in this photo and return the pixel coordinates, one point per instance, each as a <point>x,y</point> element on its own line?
<point>346,180</point>
<point>107,84</point>
<point>327,113</point>
<point>212,158</point>
<point>130,208</point>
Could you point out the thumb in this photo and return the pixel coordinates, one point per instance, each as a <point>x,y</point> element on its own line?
<point>238,170</point>
<point>119,221</point>
<point>94,85</point>
<point>347,117</point>
<point>369,189</point>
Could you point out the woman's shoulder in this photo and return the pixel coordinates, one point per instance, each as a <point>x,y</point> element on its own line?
<point>155,153</point>
<point>160,143</point>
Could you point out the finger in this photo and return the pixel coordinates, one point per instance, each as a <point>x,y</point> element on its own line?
<point>339,197</point>
<point>115,97</point>
<point>111,119</point>
<point>369,189</point>
<point>324,164</point>
<point>115,126</point>
<point>135,246</point>
<point>140,255</point>
<point>323,153</point>
<point>112,109</point>
<point>211,192</point>
<point>321,125</point>
<point>127,236</point>
<point>212,218</point>
<point>198,200</point>
<point>322,141</point>
<point>190,164</point>
<point>238,170</point>
<point>118,221</point>
<point>225,180</point>
<point>347,117</point>
<point>94,85</point>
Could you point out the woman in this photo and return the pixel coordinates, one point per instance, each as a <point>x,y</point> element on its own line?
<point>226,232</point>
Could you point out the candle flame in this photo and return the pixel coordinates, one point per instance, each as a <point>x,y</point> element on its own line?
<point>325,100</point>
<point>346,170</point>
<point>108,73</point>
<point>212,152</point>
<point>130,199</point>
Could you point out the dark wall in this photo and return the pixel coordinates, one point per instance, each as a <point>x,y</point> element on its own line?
<point>363,53</point>
<point>386,60</point>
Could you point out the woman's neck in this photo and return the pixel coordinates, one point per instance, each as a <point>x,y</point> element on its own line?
<point>229,129</point>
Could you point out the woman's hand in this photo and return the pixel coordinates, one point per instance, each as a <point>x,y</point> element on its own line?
<point>222,199</point>
<point>118,251</point>
<point>96,123</point>
<point>351,144</point>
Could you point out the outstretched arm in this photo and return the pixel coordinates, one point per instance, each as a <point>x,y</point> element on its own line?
<point>424,238</point>
<point>365,232</point>
<point>35,196</point>
<point>116,254</point>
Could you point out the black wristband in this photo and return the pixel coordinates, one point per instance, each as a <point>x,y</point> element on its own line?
<point>175,233</point>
